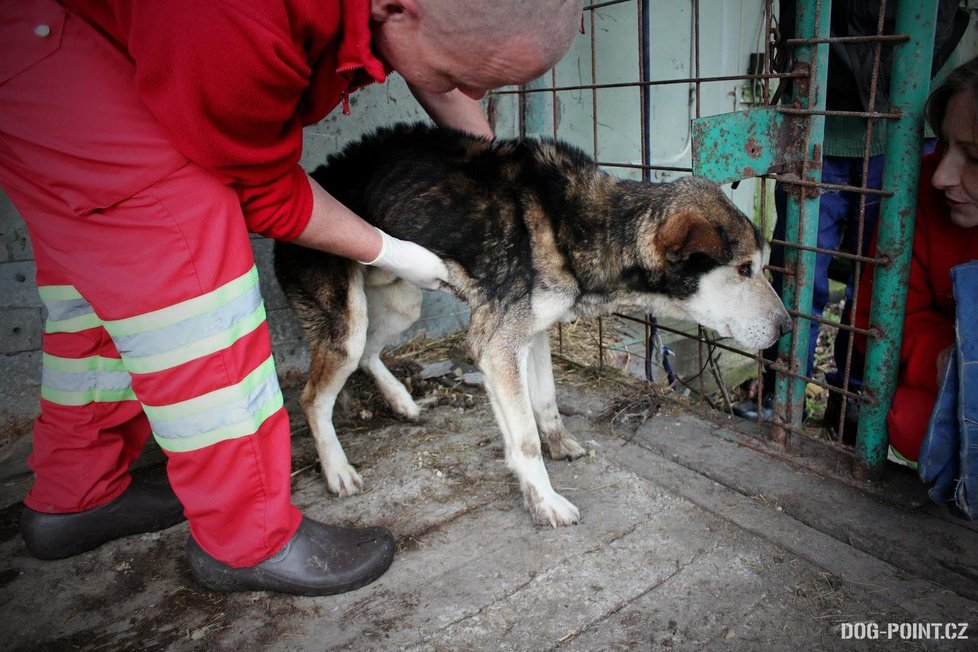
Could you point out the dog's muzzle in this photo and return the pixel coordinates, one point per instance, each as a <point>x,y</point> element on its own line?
<point>785,325</point>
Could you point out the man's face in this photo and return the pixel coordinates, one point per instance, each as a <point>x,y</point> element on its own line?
<point>957,173</point>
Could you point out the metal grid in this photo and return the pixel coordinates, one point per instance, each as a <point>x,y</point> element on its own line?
<point>800,60</point>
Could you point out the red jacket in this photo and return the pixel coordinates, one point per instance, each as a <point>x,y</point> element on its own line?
<point>938,246</point>
<point>233,84</point>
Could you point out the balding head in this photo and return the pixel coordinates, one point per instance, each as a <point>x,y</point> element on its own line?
<point>443,44</point>
<point>549,26</point>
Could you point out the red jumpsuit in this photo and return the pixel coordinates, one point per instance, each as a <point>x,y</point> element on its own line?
<point>141,142</point>
<point>928,327</point>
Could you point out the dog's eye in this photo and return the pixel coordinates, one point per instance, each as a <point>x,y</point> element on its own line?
<point>745,270</point>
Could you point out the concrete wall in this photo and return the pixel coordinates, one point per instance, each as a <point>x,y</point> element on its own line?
<point>20,326</point>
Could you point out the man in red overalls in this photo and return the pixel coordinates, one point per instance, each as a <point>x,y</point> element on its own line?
<point>141,141</point>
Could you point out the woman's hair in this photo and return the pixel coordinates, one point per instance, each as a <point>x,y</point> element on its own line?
<point>964,78</point>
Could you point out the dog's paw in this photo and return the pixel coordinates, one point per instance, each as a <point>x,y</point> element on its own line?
<point>551,508</point>
<point>407,408</point>
<point>562,446</point>
<point>343,480</point>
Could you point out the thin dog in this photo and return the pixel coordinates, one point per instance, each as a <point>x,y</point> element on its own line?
<point>532,233</point>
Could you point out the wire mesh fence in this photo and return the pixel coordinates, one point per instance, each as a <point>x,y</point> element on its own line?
<point>631,93</point>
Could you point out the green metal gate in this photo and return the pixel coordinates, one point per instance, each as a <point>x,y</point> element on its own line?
<point>770,141</point>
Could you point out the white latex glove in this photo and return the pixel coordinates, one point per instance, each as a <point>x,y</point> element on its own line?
<point>410,261</point>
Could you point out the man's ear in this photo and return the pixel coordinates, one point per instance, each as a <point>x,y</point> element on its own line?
<point>382,11</point>
<point>686,233</point>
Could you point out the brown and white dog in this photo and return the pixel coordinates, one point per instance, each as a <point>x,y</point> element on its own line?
<point>532,233</point>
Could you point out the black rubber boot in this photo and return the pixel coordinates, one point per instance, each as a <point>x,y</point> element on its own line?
<point>142,507</point>
<point>319,559</point>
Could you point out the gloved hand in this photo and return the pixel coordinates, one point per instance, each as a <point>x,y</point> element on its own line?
<point>410,261</point>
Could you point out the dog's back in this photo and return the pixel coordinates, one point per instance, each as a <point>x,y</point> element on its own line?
<point>454,193</point>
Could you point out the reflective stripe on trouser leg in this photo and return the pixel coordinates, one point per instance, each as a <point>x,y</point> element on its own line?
<point>193,336</point>
<point>188,331</point>
<point>90,428</point>
<point>137,229</point>
<point>235,423</point>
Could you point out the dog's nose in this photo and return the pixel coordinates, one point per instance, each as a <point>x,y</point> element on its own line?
<point>786,324</point>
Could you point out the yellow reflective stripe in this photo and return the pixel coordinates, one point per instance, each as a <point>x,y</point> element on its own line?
<point>233,431</point>
<point>185,309</point>
<point>214,412</point>
<point>72,325</point>
<point>91,363</point>
<point>212,400</point>
<point>197,349</point>
<point>67,310</point>
<point>58,292</point>
<point>97,395</point>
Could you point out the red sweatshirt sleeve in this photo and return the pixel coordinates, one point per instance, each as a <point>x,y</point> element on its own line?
<point>224,80</point>
<point>926,330</point>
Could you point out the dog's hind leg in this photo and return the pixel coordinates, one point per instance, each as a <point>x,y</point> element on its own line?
<point>543,396</point>
<point>503,360</point>
<point>392,306</point>
<point>334,358</point>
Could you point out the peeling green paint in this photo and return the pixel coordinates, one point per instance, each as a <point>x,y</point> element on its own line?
<point>908,93</point>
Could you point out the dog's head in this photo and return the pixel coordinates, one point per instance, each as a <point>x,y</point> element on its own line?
<point>711,258</point>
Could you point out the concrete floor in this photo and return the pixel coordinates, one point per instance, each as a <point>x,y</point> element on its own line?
<point>689,540</point>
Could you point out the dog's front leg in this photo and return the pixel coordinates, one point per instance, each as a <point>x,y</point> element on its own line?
<point>504,363</point>
<point>543,396</point>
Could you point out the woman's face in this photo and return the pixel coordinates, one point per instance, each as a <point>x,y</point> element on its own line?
<point>957,173</point>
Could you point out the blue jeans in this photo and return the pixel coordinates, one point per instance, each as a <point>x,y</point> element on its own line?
<point>838,229</point>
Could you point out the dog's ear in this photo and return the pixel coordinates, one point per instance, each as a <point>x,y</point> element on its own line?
<point>685,233</point>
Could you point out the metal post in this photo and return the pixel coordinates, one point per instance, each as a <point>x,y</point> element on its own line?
<point>534,118</point>
<point>813,20</point>
<point>908,93</point>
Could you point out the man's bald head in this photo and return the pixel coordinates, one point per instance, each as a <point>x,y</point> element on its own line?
<point>473,45</point>
<point>549,26</point>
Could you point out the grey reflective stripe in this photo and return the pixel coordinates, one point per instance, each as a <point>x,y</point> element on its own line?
<point>221,416</point>
<point>83,381</point>
<point>62,310</point>
<point>230,412</point>
<point>80,381</point>
<point>147,351</point>
<point>67,311</point>
<point>189,330</point>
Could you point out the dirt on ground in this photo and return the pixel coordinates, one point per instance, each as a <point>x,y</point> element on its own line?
<point>673,552</point>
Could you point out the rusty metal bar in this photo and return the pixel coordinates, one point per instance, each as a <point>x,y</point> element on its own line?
<point>821,250</point>
<point>908,93</point>
<point>648,167</point>
<point>844,114</point>
<point>802,215</point>
<point>719,345</point>
<point>825,322</point>
<point>795,181</point>
<point>861,225</point>
<point>878,38</point>
<point>609,3</point>
<point>656,82</point>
